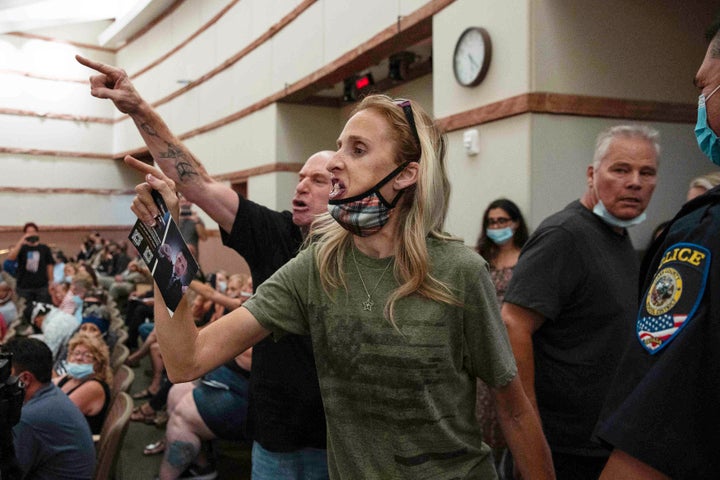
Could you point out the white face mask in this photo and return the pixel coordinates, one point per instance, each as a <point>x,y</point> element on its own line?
<point>607,217</point>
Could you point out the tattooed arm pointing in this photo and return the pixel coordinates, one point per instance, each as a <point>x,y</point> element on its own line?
<point>174,159</point>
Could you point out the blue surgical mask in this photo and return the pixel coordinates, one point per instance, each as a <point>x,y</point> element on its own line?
<point>607,217</point>
<point>222,287</point>
<point>499,236</point>
<point>79,370</point>
<point>707,139</point>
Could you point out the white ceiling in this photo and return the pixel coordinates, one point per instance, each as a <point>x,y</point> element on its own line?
<point>125,17</point>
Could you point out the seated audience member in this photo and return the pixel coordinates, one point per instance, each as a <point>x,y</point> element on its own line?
<point>88,378</point>
<point>62,297</point>
<point>8,309</point>
<point>90,270</point>
<point>224,302</point>
<point>59,267</point>
<point>81,284</point>
<point>10,266</point>
<point>213,407</point>
<point>55,327</point>
<point>702,184</point>
<point>127,282</point>
<point>158,389</point>
<point>139,310</point>
<point>113,261</point>
<point>70,271</point>
<point>90,247</point>
<point>52,439</point>
<point>95,322</point>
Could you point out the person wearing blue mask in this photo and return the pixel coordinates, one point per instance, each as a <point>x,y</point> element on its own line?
<point>661,416</point>
<point>52,439</point>
<point>503,233</point>
<point>571,297</point>
<point>88,378</point>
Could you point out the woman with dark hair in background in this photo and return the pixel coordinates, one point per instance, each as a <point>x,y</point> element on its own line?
<point>502,235</point>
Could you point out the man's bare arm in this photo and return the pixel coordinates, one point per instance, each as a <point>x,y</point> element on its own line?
<point>521,323</point>
<point>174,159</point>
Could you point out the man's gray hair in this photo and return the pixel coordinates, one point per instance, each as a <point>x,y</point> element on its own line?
<point>605,138</point>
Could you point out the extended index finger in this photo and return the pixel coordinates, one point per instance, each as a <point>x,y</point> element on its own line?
<point>99,66</point>
<point>143,167</point>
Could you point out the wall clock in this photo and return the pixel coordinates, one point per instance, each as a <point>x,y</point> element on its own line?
<point>471,58</point>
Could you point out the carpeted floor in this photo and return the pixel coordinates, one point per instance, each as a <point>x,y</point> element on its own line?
<point>233,459</point>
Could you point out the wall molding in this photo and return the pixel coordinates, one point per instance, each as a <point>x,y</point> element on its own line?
<point>64,190</point>
<point>579,105</point>
<point>266,36</point>
<point>45,38</point>
<point>55,116</point>
<point>242,175</point>
<point>231,177</point>
<point>185,42</point>
<point>54,153</point>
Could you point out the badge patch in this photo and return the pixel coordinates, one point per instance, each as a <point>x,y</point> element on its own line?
<point>673,296</point>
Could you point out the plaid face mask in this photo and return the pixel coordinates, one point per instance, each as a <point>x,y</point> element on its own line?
<point>366,213</point>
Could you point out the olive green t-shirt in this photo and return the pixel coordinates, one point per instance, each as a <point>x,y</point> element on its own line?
<point>397,404</point>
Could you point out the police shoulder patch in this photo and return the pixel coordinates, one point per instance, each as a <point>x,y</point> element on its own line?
<point>673,296</point>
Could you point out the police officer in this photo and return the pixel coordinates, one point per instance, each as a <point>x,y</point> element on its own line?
<point>662,414</point>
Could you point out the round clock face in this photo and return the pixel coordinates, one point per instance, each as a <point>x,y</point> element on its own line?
<point>472,56</point>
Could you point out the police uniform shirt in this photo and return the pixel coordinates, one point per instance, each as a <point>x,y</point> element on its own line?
<point>664,407</point>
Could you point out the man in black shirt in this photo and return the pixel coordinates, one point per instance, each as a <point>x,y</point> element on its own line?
<point>571,297</point>
<point>35,268</point>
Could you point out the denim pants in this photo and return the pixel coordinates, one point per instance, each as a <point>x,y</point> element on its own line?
<point>304,464</point>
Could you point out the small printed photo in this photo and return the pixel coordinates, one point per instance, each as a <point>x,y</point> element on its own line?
<point>136,238</point>
<point>147,255</point>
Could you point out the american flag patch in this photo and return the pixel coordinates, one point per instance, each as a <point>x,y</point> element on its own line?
<point>673,296</point>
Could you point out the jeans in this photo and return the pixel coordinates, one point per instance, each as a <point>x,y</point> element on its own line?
<point>304,464</point>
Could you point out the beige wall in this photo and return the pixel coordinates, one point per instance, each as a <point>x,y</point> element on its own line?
<point>640,50</point>
<point>508,23</point>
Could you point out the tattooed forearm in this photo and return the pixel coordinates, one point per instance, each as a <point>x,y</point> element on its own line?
<point>185,170</point>
<point>185,164</point>
<point>147,128</point>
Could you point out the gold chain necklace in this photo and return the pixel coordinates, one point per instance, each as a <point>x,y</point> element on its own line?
<point>368,303</point>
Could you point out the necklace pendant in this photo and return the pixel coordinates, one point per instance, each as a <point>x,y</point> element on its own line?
<point>368,304</point>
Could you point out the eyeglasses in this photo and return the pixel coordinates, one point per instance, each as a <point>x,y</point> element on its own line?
<point>499,222</point>
<point>86,356</point>
<point>407,110</point>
